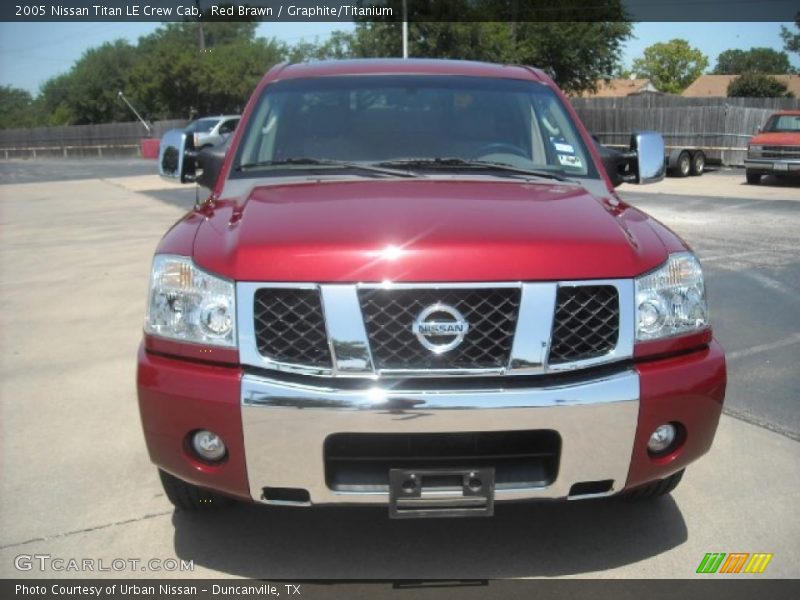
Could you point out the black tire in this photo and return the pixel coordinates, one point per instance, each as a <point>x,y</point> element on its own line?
<point>698,163</point>
<point>753,178</point>
<point>684,165</point>
<point>185,496</point>
<point>656,488</point>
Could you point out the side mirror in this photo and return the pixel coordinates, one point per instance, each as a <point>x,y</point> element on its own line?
<point>209,163</point>
<point>178,159</point>
<point>647,149</point>
<point>616,163</point>
<point>642,163</point>
<point>172,160</point>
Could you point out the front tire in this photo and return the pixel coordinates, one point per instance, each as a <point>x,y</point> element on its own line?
<point>185,496</point>
<point>656,489</point>
<point>752,178</point>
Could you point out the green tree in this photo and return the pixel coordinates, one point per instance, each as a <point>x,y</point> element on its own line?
<point>53,101</point>
<point>211,67</point>
<point>96,80</point>
<point>16,107</point>
<point>671,66</point>
<point>88,92</point>
<point>757,85</point>
<point>228,74</point>
<point>754,60</point>
<point>577,54</point>
<point>593,51</point>
<point>791,41</point>
<point>178,70</point>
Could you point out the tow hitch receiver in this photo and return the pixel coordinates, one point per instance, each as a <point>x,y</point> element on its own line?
<point>419,493</point>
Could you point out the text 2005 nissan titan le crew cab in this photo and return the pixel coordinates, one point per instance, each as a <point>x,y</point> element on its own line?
<point>414,285</point>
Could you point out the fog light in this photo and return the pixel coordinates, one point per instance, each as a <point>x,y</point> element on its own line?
<point>208,445</point>
<point>662,438</point>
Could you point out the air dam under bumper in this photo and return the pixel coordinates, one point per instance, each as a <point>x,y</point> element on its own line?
<point>285,427</point>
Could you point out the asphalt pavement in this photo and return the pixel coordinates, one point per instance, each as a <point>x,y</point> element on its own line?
<point>748,241</point>
<point>75,256</point>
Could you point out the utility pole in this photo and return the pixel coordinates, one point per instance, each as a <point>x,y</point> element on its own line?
<point>201,36</point>
<point>405,28</point>
<point>512,24</point>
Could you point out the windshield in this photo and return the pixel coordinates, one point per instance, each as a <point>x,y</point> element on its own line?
<point>783,123</point>
<point>401,118</point>
<point>201,125</point>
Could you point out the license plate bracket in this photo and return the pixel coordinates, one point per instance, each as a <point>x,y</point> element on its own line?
<point>421,493</point>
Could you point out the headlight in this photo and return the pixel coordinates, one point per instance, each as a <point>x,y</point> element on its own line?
<point>672,299</point>
<point>190,305</point>
<point>757,149</point>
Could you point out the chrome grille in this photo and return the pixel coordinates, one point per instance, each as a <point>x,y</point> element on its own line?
<point>365,330</point>
<point>390,313</point>
<point>778,152</point>
<point>586,323</point>
<point>290,326</point>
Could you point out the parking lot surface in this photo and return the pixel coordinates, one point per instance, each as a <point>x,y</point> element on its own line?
<point>75,252</point>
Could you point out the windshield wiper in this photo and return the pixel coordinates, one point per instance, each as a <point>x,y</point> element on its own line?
<point>455,162</point>
<point>325,162</point>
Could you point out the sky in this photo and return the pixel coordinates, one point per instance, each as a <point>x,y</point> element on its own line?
<point>31,53</point>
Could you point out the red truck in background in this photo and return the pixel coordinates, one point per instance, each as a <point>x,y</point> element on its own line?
<point>414,284</point>
<point>775,150</point>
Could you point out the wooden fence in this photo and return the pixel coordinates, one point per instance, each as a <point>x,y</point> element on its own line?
<point>721,126</point>
<point>108,139</point>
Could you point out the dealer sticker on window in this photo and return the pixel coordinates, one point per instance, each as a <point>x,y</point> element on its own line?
<point>567,160</point>
<point>564,147</point>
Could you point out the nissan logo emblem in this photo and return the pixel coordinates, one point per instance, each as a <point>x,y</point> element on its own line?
<point>440,328</point>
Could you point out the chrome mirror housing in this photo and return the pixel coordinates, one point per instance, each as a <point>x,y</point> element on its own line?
<point>649,163</point>
<point>173,162</point>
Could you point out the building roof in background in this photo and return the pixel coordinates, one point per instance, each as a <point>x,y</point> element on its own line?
<point>617,88</point>
<point>717,85</point>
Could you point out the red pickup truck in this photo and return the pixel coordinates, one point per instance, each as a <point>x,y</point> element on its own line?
<point>413,284</point>
<point>775,150</point>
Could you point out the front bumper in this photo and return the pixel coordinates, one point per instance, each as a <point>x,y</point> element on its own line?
<point>285,427</point>
<point>275,429</point>
<point>773,165</point>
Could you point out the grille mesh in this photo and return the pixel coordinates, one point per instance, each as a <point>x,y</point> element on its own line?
<point>490,312</point>
<point>780,152</point>
<point>290,326</point>
<point>586,323</point>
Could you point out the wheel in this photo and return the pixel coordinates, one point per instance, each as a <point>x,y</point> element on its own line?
<point>656,488</point>
<point>684,166</point>
<point>698,163</point>
<point>185,496</point>
<point>753,178</point>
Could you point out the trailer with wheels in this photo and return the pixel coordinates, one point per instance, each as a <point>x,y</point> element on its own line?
<point>679,161</point>
<point>682,162</point>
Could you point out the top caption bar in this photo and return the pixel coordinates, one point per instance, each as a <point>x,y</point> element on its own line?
<point>392,10</point>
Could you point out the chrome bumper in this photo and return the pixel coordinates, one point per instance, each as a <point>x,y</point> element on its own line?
<point>285,426</point>
<point>778,165</point>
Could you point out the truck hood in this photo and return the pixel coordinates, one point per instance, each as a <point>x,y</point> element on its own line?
<point>425,230</point>
<point>776,138</point>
